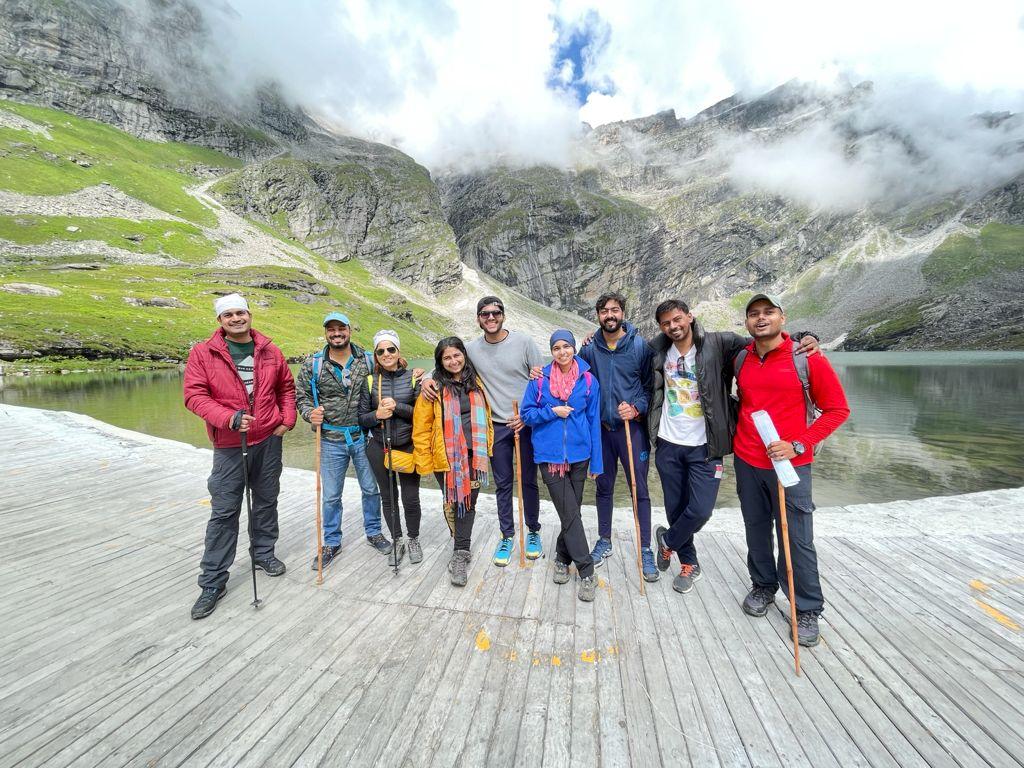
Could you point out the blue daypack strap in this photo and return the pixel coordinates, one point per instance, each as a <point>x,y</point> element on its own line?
<point>349,440</point>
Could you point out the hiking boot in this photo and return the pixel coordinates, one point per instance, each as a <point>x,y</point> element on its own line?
<point>534,547</point>
<point>664,553</point>
<point>207,602</point>
<point>688,574</point>
<point>451,562</point>
<point>503,554</point>
<point>271,565</point>
<point>329,553</point>
<point>757,600</point>
<point>460,567</point>
<point>561,573</point>
<point>651,573</point>
<point>415,550</point>
<point>588,588</point>
<point>379,542</point>
<point>397,553</point>
<point>602,550</point>
<point>807,628</point>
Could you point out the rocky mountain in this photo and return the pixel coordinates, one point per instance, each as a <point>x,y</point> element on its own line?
<point>653,210</point>
<point>141,68</point>
<point>652,207</point>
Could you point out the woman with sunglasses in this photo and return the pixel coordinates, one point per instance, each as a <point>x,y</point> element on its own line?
<point>385,411</point>
<point>562,408</point>
<point>453,438</point>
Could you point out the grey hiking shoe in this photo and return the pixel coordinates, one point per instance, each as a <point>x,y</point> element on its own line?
<point>588,589</point>
<point>459,567</point>
<point>415,550</point>
<point>561,573</point>
<point>664,553</point>
<point>207,602</point>
<point>330,554</point>
<point>757,600</point>
<point>271,565</point>
<point>807,629</point>
<point>688,574</point>
<point>380,543</point>
<point>397,552</point>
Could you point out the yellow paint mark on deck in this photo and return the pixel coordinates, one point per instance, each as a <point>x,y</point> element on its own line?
<point>998,615</point>
<point>589,656</point>
<point>204,502</point>
<point>978,585</point>
<point>511,655</point>
<point>555,661</point>
<point>483,640</point>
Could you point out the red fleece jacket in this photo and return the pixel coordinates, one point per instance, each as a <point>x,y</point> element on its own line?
<point>772,385</point>
<point>214,391</point>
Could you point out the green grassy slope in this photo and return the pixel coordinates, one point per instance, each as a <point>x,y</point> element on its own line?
<point>92,318</point>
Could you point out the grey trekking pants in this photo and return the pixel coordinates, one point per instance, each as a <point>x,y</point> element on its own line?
<point>227,495</point>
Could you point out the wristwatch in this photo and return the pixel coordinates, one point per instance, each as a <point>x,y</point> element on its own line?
<point>798,448</point>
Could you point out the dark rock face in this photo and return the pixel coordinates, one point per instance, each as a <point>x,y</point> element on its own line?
<point>100,60</point>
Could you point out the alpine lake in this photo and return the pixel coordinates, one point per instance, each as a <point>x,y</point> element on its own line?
<point>922,423</point>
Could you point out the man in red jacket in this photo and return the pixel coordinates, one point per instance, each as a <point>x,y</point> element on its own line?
<point>238,381</point>
<point>767,379</point>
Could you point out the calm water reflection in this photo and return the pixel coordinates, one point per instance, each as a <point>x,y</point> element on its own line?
<point>923,424</point>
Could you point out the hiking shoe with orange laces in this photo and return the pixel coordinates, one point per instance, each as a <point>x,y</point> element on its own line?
<point>688,574</point>
<point>664,553</point>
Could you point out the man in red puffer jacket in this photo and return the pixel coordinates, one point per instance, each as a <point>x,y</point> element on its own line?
<point>238,381</point>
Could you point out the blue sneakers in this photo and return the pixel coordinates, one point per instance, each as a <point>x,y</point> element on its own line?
<point>651,572</point>
<point>602,550</point>
<point>503,554</point>
<point>534,548</point>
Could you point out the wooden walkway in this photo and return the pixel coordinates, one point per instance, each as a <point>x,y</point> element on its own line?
<point>921,663</point>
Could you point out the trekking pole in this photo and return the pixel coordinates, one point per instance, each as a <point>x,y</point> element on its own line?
<point>632,494</point>
<point>389,467</point>
<point>519,487</point>
<point>248,511</point>
<point>789,574</point>
<point>319,527</point>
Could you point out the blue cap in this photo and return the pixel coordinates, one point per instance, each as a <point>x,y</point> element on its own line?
<point>339,316</point>
<point>562,335</point>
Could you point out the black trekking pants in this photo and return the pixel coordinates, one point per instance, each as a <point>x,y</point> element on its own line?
<point>227,494</point>
<point>567,495</point>
<point>410,484</point>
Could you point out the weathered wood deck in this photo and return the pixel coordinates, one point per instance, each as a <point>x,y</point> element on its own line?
<point>922,659</point>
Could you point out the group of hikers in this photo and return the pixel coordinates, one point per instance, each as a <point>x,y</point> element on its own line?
<point>606,400</point>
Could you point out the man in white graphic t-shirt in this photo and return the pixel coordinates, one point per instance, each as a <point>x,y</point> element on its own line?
<point>691,422</point>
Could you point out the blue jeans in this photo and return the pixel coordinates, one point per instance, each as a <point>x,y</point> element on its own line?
<point>335,456</point>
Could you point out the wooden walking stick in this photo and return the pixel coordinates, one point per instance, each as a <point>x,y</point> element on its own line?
<point>784,525</point>
<point>319,527</point>
<point>519,488</point>
<point>632,494</point>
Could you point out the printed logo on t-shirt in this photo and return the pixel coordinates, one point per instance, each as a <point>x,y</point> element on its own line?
<point>682,417</point>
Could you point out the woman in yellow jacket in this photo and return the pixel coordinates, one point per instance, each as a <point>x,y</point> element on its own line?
<point>453,438</point>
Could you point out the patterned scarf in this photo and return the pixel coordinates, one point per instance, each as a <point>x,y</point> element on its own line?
<point>561,385</point>
<point>562,382</point>
<point>462,476</point>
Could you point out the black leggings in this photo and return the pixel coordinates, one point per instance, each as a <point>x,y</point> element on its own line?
<point>410,483</point>
<point>463,525</point>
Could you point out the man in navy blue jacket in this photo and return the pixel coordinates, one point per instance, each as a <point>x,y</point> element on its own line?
<point>620,359</point>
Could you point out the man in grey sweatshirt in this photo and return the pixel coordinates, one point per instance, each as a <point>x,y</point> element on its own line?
<point>504,360</point>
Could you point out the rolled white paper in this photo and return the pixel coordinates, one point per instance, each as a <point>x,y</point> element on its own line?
<point>766,429</point>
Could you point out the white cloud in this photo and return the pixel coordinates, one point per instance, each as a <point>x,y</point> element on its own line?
<point>466,83</point>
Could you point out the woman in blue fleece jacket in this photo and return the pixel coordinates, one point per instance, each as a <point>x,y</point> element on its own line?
<point>563,410</point>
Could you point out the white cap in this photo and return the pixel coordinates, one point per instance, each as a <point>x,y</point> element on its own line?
<point>386,335</point>
<point>231,301</point>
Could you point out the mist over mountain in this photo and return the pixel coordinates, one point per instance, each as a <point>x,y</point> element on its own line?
<point>888,212</point>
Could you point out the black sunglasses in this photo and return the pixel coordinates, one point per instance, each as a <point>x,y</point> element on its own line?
<point>386,351</point>
<point>490,313</point>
